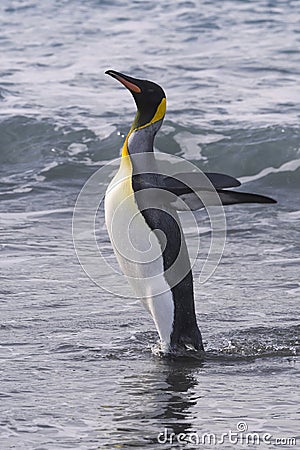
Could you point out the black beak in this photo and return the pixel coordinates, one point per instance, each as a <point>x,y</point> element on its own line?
<point>132,84</point>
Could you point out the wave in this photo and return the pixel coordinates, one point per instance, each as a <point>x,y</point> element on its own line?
<point>38,151</point>
<point>290,166</point>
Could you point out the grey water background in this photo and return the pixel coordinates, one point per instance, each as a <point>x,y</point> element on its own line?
<point>77,370</point>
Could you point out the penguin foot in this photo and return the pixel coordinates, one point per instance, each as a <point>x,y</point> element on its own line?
<point>164,350</point>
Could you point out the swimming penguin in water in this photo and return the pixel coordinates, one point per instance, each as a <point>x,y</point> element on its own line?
<point>144,227</point>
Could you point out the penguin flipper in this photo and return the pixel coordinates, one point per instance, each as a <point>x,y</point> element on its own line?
<point>186,182</point>
<point>192,202</point>
<point>196,180</point>
<point>190,186</point>
<point>232,197</point>
<point>189,182</point>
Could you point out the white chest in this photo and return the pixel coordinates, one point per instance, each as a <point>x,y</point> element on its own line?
<point>138,251</point>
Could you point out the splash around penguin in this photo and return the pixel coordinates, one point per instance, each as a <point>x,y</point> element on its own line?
<point>141,216</point>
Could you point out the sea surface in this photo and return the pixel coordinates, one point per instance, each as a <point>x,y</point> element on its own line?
<point>77,367</point>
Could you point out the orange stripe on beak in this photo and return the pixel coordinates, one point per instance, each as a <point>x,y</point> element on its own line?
<point>132,87</point>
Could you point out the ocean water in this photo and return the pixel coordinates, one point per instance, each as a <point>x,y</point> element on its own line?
<point>77,367</point>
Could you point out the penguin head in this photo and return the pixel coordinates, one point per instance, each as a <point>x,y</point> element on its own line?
<point>149,97</point>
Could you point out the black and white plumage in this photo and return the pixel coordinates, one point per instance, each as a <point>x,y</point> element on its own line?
<point>141,215</point>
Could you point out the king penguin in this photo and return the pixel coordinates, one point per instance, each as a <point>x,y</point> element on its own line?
<point>144,227</point>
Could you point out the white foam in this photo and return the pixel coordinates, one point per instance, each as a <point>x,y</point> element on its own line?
<point>7,218</point>
<point>289,166</point>
<point>49,166</point>
<point>75,148</point>
<point>189,144</point>
<point>292,216</point>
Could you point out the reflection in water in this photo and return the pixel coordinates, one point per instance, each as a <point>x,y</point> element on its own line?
<point>181,380</point>
<point>157,400</point>
<point>149,395</point>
